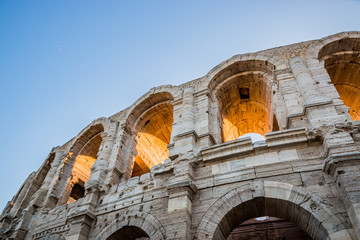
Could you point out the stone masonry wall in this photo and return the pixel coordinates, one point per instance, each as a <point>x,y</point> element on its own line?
<point>307,170</point>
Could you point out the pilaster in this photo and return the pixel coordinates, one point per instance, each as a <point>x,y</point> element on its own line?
<point>99,170</point>
<point>318,109</point>
<point>185,138</point>
<point>181,195</point>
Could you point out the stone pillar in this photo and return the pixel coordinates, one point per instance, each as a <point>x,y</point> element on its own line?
<point>23,226</point>
<point>99,170</point>
<point>203,126</point>
<point>344,168</point>
<point>305,82</point>
<point>42,193</point>
<point>317,108</point>
<point>80,225</point>
<point>185,136</point>
<point>59,182</point>
<point>16,209</point>
<point>343,165</point>
<point>188,118</point>
<point>181,195</point>
<point>116,159</point>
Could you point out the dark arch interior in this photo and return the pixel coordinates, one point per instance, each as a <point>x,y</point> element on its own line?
<point>240,220</point>
<point>269,228</point>
<point>129,233</point>
<point>342,62</point>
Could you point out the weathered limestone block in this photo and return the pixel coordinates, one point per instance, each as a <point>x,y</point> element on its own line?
<point>194,175</point>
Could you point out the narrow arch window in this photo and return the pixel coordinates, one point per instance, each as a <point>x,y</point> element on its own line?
<point>152,137</point>
<point>342,62</point>
<point>77,191</point>
<point>82,168</point>
<point>245,106</point>
<point>76,169</point>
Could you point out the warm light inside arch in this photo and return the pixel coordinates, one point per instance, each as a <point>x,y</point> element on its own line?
<point>344,71</point>
<point>153,136</point>
<point>245,104</point>
<point>82,168</point>
<point>342,62</point>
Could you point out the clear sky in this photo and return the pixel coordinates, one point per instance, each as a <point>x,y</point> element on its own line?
<point>66,63</point>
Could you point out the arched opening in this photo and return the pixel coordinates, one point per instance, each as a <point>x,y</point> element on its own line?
<point>269,228</point>
<point>129,233</point>
<point>248,221</point>
<point>75,171</point>
<point>153,131</point>
<point>133,225</point>
<point>279,200</point>
<point>82,168</point>
<point>245,106</point>
<point>342,62</point>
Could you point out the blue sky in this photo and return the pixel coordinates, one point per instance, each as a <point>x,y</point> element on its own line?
<point>66,63</point>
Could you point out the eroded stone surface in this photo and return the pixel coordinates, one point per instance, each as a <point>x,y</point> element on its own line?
<point>171,165</point>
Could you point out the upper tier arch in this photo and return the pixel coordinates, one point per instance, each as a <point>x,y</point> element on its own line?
<point>154,96</point>
<point>260,62</point>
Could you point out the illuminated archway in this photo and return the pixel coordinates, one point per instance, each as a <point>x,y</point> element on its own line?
<point>244,95</point>
<point>153,131</point>
<point>342,62</point>
<point>82,168</point>
<point>77,166</point>
<point>245,106</point>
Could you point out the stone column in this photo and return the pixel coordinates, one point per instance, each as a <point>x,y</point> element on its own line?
<point>58,183</point>
<point>181,195</point>
<point>80,225</point>
<point>343,165</point>
<point>304,79</point>
<point>203,126</point>
<point>317,108</point>
<point>23,226</point>
<point>16,209</point>
<point>344,169</point>
<point>99,170</point>
<point>43,192</point>
<point>185,137</point>
<point>117,156</point>
<point>188,118</point>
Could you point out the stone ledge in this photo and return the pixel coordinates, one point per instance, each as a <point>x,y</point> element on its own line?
<point>186,186</point>
<point>288,136</point>
<point>243,146</point>
<point>226,150</point>
<point>331,163</point>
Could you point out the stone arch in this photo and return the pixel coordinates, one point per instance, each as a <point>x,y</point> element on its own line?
<point>145,221</point>
<point>340,55</point>
<point>77,165</point>
<point>236,65</point>
<point>147,132</point>
<point>271,199</point>
<point>243,90</point>
<point>149,99</point>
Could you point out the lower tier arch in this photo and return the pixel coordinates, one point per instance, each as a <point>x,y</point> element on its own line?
<point>271,199</point>
<point>142,225</point>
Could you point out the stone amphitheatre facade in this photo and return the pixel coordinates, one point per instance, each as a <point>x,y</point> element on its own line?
<point>176,163</point>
